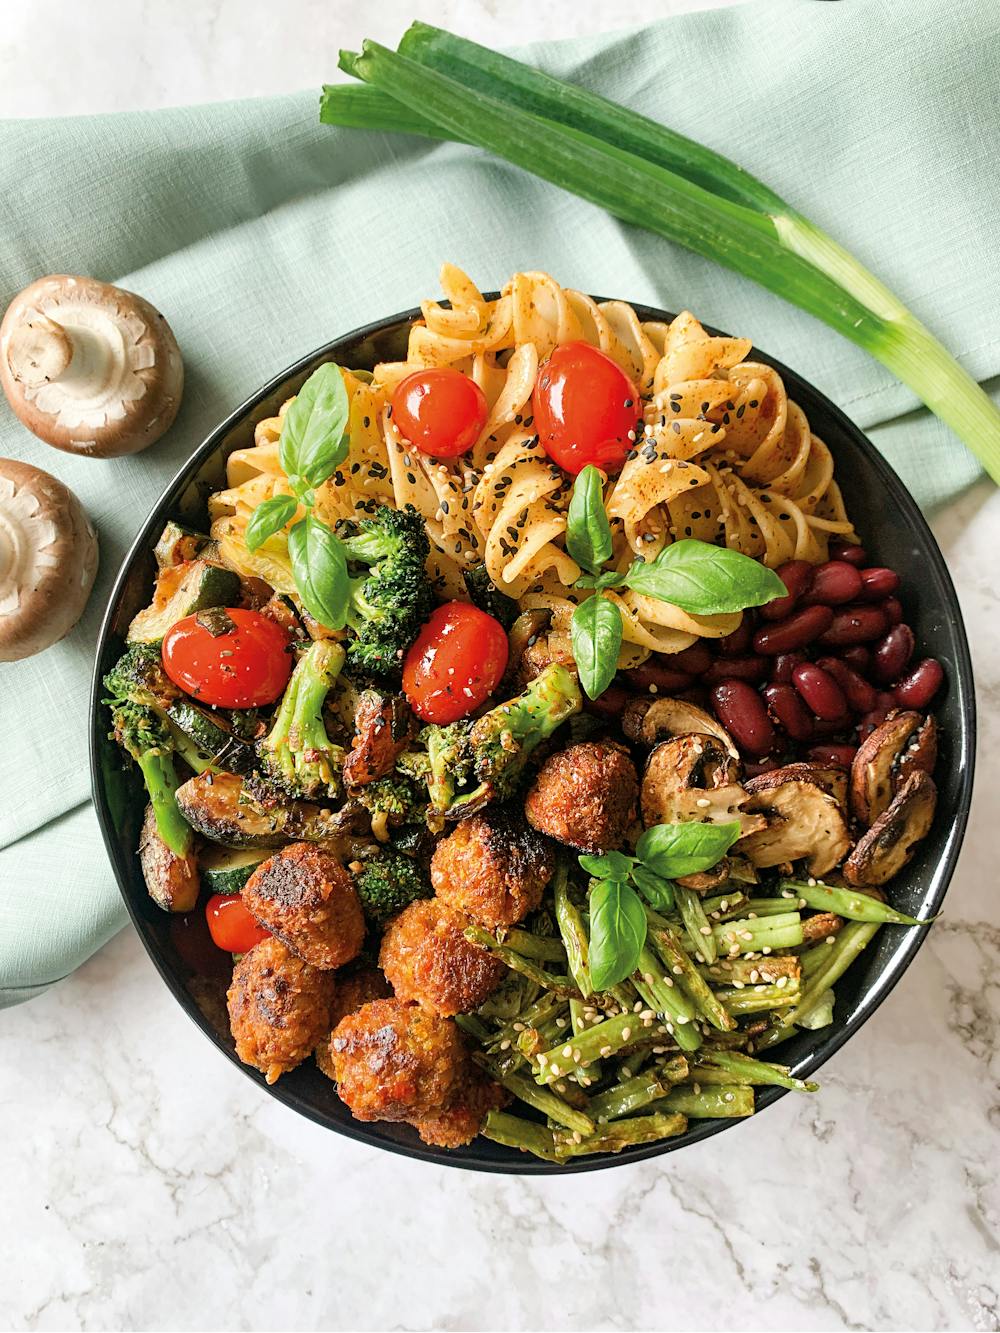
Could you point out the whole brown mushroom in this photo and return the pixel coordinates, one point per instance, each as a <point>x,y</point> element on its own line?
<point>48,560</point>
<point>88,367</point>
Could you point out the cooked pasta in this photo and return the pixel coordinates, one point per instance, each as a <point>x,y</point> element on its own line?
<point>723,456</point>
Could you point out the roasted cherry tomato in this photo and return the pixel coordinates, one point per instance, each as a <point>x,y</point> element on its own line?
<point>231,925</point>
<point>455,664</point>
<point>586,409</point>
<point>440,411</point>
<point>242,667</point>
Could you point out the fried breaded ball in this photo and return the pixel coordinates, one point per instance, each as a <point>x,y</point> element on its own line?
<point>279,1007</point>
<point>304,895</point>
<point>585,796</point>
<point>428,959</point>
<point>398,1061</point>
<point>493,867</point>
<point>351,990</point>
<point>462,1122</point>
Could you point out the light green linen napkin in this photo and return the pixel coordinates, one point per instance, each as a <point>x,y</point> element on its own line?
<point>260,234</point>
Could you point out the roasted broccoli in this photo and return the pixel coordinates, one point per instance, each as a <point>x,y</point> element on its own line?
<point>487,596</point>
<point>450,762</point>
<point>392,599</point>
<point>297,757</point>
<point>388,882</point>
<point>501,741</point>
<point>138,692</point>
<point>392,800</point>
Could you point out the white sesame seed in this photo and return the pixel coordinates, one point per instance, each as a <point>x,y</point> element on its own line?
<point>766,949</point>
<point>560,1022</point>
<point>703,802</point>
<point>567,1052</point>
<point>518,1027</point>
<point>705,930</point>
<point>637,1007</point>
<point>781,983</point>
<point>728,1097</point>
<point>505,1044</point>
<point>831,939</point>
<point>626,1033</point>
<point>605,1051</point>
<point>811,882</point>
<point>696,1088</point>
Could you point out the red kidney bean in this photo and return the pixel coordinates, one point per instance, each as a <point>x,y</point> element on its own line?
<point>785,706</point>
<point>737,668</point>
<point>697,695</point>
<point>892,654</point>
<point>919,687</point>
<point>855,624</point>
<point>784,664</point>
<point>695,659</point>
<point>893,609</point>
<point>610,703</point>
<point>737,643</point>
<point>795,575</point>
<point>870,721</point>
<point>800,628</point>
<point>859,657</point>
<point>832,584</point>
<point>652,678</point>
<point>854,555</point>
<point>877,583</point>
<point>838,727</point>
<point>741,711</point>
<point>820,691</point>
<point>859,694</point>
<point>832,754</point>
<point>885,699</point>
<point>754,770</point>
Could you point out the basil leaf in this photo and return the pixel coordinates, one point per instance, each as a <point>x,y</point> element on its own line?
<point>608,578</point>
<point>313,440</point>
<point>612,865</point>
<point>319,565</point>
<point>671,850</point>
<point>704,579</point>
<point>269,517</point>
<point>588,532</point>
<point>657,891</point>
<point>596,635</point>
<point>617,933</point>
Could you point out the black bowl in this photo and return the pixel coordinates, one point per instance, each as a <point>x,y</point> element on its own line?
<point>895,534</point>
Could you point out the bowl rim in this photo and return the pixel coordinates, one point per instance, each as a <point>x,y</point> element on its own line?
<point>519,1163</point>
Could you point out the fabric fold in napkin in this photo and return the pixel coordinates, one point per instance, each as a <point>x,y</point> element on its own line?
<point>261,234</point>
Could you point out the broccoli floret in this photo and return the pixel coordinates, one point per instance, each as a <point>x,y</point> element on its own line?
<point>487,596</point>
<point>138,691</point>
<point>392,800</point>
<point>388,882</point>
<point>450,762</point>
<point>297,756</point>
<point>391,601</point>
<point>501,741</point>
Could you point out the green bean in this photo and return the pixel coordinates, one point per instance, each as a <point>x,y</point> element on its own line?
<point>661,993</point>
<point>752,934</point>
<point>725,905</point>
<point>760,999</point>
<point>559,985</point>
<point>542,1099</point>
<point>696,923</point>
<point>842,953</point>
<point>627,1095</point>
<point>601,1040</point>
<point>474,1026</point>
<point>748,971</point>
<point>851,903</point>
<point>820,1015</point>
<point>573,932</point>
<point>745,1069</point>
<point>514,1132</point>
<point>542,947</point>
<point>712,1103</point>
<point>670,949</point>
<point>577,1009</point>
<point>620,1134</point>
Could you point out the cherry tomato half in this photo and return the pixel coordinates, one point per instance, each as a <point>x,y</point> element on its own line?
<point>247,666</point>
<point>440,411</point>
<point>585,406</point>
<point>456,662</point>
<point>231,925</point>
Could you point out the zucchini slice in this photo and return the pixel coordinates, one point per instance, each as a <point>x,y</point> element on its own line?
<point>227,869</point>
<point>180,591</point>
<point>212,736</point>
<point>178,545</point>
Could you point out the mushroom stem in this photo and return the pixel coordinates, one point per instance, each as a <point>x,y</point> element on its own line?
<point>39,352</point>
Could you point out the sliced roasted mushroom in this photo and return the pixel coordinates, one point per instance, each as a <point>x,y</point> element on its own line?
<point>692,778</point>
<point>831,777</point>
<point>88,367</point>
<point>803,821</point>
<point>173,881</point>
<point>892,839</point>
<point>647,721</point>
<point>705,880</point>
<point>874,769</point>
<point>920,752</point>
<point>48,560</point>
<point>217,806</point>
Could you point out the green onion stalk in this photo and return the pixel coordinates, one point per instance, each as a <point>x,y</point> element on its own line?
<point>446,87</point>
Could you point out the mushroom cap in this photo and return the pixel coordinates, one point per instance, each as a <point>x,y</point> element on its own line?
<point>48,560</point>
<point>89,367</point>
<point>804,820</point>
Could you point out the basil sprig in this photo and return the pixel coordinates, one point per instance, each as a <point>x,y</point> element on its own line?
<point>596,635</point>
<point>588,532</point>
<point>312,445</point>
<point>617,917</point>
<point>705,580</point>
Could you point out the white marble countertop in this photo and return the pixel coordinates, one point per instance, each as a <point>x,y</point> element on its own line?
<point>147,1184</point>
